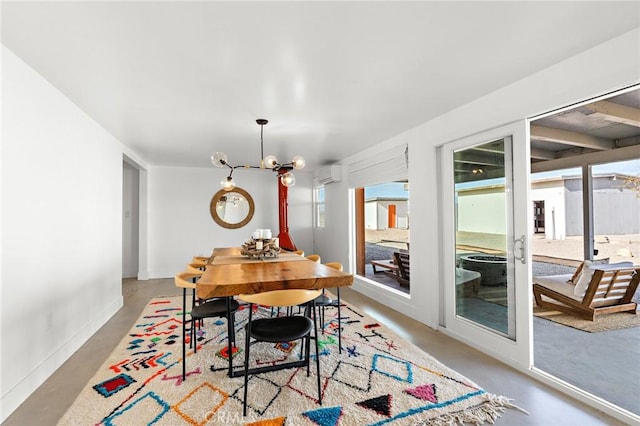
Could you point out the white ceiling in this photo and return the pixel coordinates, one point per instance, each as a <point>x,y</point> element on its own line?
<point>176,81</point>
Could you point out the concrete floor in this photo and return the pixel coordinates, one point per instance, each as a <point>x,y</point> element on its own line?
<point>545,405</point>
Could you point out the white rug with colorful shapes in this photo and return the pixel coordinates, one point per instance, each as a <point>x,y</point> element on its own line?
<point>378,379</point>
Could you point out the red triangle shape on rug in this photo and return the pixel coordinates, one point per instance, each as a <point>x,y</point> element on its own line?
<point>424,392</point>
<point>380,404</point>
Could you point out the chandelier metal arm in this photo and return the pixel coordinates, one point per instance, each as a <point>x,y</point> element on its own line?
<point>224,163</point>
<point>219,159</point>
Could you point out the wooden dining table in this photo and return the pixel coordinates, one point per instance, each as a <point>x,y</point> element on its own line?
<point>229,273</point>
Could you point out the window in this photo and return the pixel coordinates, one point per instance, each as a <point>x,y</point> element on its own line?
<point>318,200</point>
<point>381,219</point>
<point>386,231</point>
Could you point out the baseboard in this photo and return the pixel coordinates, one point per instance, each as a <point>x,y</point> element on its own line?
<point>12,399</point>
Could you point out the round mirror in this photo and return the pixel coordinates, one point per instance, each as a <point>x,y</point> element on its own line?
<point>232,209</point>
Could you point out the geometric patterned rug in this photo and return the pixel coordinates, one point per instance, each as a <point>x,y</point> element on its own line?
<point>378,379</point>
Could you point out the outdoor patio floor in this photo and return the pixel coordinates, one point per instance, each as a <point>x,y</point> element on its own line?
<point>604,364</point>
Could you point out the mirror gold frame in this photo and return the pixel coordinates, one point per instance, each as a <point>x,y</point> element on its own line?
<point>218,197</point>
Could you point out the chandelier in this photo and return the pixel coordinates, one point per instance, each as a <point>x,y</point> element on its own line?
<point>270,162</point>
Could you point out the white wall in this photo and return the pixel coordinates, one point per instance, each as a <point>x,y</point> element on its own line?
<point>371,216</point>
<point>180,225</point>
<point>556,86</point>
<point>552,193</point>
<point>61,229</point>
<point>333,242</point>
<point>482,211</point>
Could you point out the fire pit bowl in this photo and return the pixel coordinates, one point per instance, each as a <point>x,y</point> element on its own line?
<point>493,269</point>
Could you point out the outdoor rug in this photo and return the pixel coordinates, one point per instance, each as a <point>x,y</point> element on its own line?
<point>608,322</point>
<point>378,379</point>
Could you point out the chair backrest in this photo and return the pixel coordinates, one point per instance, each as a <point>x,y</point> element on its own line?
<point>314,258</point>
<point>404,266</point>
<point>281,298</point>
<point>194,268</point>
<point>612,287</point>
<point>183,279</point>
<point>583,264</point>
<point>198,262</point>
<point>334,265</point>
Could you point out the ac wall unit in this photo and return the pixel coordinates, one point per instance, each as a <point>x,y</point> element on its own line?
<point>329,174</point>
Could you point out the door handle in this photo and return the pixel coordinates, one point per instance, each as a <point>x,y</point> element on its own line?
<point>519,245</point>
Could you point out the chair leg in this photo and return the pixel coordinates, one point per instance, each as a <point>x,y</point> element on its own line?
<point>315,331</point>
<point>307,352</point>
<point>193,303</point>
<point>230,335</point>
<point>303,341</point>
<point>339,322</point>
<point>192,323</point>
<point>246,360</point>
<point>184,332</point>
<point>193,335</point>
<point>307,340</point>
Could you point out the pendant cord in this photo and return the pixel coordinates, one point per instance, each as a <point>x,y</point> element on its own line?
<point>261,144</point>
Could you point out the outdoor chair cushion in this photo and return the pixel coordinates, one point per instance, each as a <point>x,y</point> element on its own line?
<point>558,283</point>
<point>587,273</point>
<point>576,275</point>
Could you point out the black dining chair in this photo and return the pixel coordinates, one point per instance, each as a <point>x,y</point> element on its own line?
<point>323,301</point>
<point>281,329</point>
<point>214,308</point>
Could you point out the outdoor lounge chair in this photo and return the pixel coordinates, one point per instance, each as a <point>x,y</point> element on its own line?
<point>610,289</point>
<point>404,267</point>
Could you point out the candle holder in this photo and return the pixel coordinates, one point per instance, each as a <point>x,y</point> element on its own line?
<point>258,248</point>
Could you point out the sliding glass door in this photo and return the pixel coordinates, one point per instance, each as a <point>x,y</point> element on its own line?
<point>485,187</point>
<point>484,225</point>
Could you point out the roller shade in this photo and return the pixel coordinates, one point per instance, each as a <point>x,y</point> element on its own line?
<point>385,166</point>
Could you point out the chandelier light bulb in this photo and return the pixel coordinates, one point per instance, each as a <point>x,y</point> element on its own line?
<point>219,159</point>
<point>228,184</point>
<point>270,161</point>
<point>298,162</point>
<point>288,179</point>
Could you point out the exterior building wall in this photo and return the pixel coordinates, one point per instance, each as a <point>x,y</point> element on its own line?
<point>573,211</point>
<point>616,209</point>
<point>382,210</point>
<point>376,214</point>
<point>553,195</point>
<point>482,210</point>
<point>371,216</point>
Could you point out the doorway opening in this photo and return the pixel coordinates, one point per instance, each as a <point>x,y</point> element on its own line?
<point>130,220</point>
<point>538,217</point>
